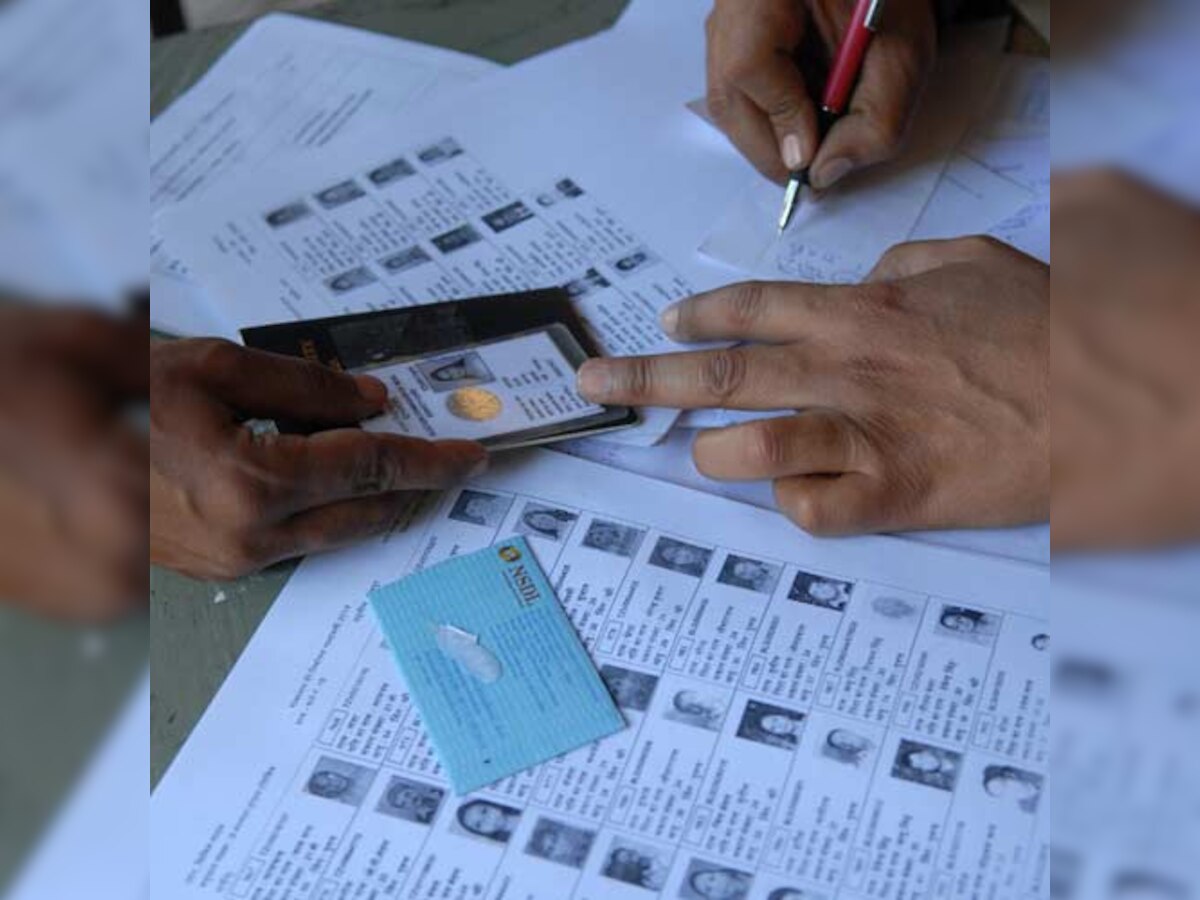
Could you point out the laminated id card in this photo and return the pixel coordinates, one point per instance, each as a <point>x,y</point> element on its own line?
<point>507,392</point>
<point>493,664</point>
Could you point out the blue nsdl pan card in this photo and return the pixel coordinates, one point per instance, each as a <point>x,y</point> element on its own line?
<point>493,664</point>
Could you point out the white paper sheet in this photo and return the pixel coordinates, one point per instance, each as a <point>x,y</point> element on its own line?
<point>730,689</point>
<point>838,236</point>
<point>607,113</point>
<point>289,84</point>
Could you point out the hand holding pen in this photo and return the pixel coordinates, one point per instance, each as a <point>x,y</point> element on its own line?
<point>763,93</point>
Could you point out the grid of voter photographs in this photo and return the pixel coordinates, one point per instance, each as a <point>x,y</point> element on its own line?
<point>679,699</point>
<point>397,233</point>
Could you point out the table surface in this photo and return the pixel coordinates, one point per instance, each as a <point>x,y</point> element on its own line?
<point>199,628</point>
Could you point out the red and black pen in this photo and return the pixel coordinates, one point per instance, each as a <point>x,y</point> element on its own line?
<point>842,77</point>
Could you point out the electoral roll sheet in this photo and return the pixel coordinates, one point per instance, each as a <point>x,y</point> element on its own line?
<point>853,719</point>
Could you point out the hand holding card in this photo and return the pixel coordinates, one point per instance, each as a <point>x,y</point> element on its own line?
<point>497,370</point>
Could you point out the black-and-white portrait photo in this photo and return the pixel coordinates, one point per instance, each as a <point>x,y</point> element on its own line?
<point>817,590</point>
<point>681,557</point>
<point>967,624</point>
<point>506,217</point>
<point>340,780</point>
<point>351,281</point>
<point>286,215</point>
<point>713,881</point>
<point>629,689</point>
<point>612,537</point>
<point>455,370</point>
<point>568,188</point>
<point>411,800</point>
<point>462,236</point>
<point>549,522</point>
<point>697,708</point>
<point>633,261</point>
<point>1017,786</point>
<point>340,194</point>
<point>898,609</point>
<point>560,843</point>
<point>749,574</point>
<point>403,260</point>
<point>395,170</point>
<point>480,508</point>
<point>486,819</point>
<point>1142,884</point>
<point>440,152</point>
<point>775,726</point>
<point>637,864</point>
<point>926,764</point>
<point>846,746</point>
<point>589,282</point>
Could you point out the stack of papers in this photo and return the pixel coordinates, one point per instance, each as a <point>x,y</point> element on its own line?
<point>839,719</point>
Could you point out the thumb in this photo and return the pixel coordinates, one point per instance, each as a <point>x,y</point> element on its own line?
<point>255,383</point>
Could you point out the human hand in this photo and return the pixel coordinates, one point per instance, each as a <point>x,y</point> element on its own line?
<point>922,395</point>
<point>1126,309</point>
<point>224,501</point>
<point>72,465</point>
<point>759,96</point>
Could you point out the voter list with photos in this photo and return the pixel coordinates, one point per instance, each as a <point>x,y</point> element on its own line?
<point>433,223</point>
<point>793,730</point>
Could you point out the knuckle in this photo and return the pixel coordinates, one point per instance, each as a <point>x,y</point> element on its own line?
<point>768,448</point>
<point>378,467</point>
<point>723,373</point>
<point>980,245</point>
<point>237,555</point>
<point>720,105</point>
<point>805,509</point>
<point>636,378</point>
<point>884,133</point>
<point>746,305</point>
<point>215,356</point>
<point>238,499</point>
<point>784,106</point>
<point>881,298</point>
<point>740,67</point>
<point>317,380</point>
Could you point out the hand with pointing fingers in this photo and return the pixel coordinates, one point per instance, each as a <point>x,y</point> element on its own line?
<point>761,57</point>
<point>225,501</point>
<point>922,396</point>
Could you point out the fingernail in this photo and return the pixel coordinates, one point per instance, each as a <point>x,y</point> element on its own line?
<point>371,389</point>
<point>594,379</point>
<point>831,173</point>
<point>793,156</point>
<point>670,318</point>
<point>480,467</point>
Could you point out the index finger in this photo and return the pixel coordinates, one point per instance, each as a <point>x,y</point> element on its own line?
<point>737,378</point>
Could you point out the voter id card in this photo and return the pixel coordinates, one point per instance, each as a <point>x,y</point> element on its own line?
<point>498,369</point>
<point>508,392</point>
<point>493,664</point>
